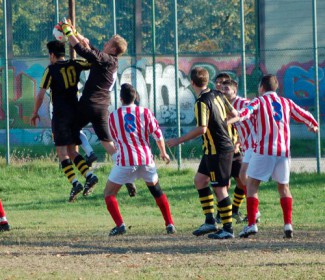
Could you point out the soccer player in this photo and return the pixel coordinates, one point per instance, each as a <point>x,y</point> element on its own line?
<point>245,135</point>
<point>239,191</point>
<point>271,156</point>
<point>130,127</point>
<point>211,110</point>
<point>62,77</point>
<point>4,226</point>
<point>96,96</point>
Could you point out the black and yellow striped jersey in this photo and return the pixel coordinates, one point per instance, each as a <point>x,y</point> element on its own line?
<point>233,134</point>
<point>62,78</point>
<point>211,110</point>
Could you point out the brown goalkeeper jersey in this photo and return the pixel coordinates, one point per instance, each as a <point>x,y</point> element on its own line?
<point>102,75</point>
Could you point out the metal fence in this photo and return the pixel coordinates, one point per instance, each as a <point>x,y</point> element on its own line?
<point>244,38</point>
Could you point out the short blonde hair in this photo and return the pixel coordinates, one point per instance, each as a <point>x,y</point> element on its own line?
<point>120,44</point>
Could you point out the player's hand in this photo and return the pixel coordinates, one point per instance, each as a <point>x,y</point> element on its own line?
<point>165,158</point>
<point>172,142</point>
<point>313,129</point>
<point>34,118</point>
<point>85,43</point>
<point>74,30</point>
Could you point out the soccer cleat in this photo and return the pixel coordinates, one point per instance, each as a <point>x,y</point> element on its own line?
<point>288,231</point>
<point>91,181</point>
<point>76,189</point>
<point>132,189</point>
<point>90,159</point>
<point>171,229</point>
<point>257,218</point>
<point>204,229</point>
<point>118,230</point>
<point>248,230</point>
<point>238,217</point>
<point>222,234</point>
<point>4,227</point>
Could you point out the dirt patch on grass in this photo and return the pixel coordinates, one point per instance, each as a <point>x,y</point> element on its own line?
<point>180,256</point>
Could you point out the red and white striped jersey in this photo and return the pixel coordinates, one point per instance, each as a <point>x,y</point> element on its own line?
<point>244,128</point>
<point>272,124</point>
<point>130,127</point>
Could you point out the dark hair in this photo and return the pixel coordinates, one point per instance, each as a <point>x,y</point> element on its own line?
<point>223,75</point>
<point>200,76</point>
<point>128,93</point>
<point>269,82</point>
<point>57,48</point>
<point>230,82</point>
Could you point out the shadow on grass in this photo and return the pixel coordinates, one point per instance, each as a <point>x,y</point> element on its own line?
<point>308,241</point>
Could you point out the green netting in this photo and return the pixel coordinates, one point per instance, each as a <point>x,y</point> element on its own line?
<point>278,40</point>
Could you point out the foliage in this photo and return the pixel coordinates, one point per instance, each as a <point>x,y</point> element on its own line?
<point>203,26</point>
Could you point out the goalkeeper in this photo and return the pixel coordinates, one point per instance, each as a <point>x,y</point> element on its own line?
<point>96,96</point>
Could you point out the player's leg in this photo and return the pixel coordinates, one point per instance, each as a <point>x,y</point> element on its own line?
<point>239,192</point>
<point>201,182</point>
<point>4,225</point>
<point>286,205</point>
<point>220,170</point>
<point>260,169</point>
<point>149,174</point>
<point>68,170</point>
<point>243,177</point>
<point>82,166</point>
<point>115,180</point>
<point>281,174</point>
<point>88,149</point>
<point>110,193</point>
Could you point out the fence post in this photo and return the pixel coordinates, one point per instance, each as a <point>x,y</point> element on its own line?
<point>153,28</point>
<point>179,148</point>
<point>243,47</point>
<point>5,79</point>
<point>115,31</point>
<point>316,83</point>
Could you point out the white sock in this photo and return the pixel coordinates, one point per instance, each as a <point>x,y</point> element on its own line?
<point>85,144</point>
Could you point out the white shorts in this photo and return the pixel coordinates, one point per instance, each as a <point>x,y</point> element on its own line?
<point>127,174</point>
<point>247,155</point>
<point>262,167</point>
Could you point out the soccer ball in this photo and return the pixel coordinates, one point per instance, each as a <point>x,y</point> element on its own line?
<point>59,35</point>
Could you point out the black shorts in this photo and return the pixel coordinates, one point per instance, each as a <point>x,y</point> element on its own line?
<point>236,165</point>
<point>97,115</point>
<point>217,167</point>
<point>65,131</point>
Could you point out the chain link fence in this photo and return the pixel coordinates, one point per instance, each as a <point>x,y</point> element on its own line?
<point>209,35</point>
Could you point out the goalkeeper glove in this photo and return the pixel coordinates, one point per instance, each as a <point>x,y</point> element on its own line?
<point>66,27</point>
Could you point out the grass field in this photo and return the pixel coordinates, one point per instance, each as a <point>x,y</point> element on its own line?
<point>52,239</point>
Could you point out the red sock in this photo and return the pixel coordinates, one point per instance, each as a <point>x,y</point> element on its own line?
<point>286,204</point>
<point>163,204</point>
<point>2,213</point>
<point>252,206</point>
<point>113,209</point>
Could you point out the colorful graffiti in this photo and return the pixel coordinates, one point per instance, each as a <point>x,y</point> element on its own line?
<point>296,80</point>
<point>298,84</point>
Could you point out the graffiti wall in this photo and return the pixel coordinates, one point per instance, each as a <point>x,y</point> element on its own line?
<point>296,80</point>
